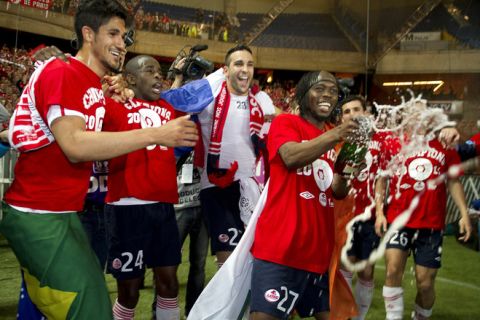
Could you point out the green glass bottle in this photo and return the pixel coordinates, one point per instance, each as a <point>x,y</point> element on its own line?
<point>354,150</point>
<point>350,157</point>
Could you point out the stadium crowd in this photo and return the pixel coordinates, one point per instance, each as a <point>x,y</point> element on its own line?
<point>15,69</point>
<point>168,176</point>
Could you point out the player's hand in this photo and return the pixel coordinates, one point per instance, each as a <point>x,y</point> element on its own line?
<point>51,51</point>
<point>116,88</point>
<point>178,69</point>
<point>380,225</point>
<point>346,129</point>
<point>449,137</point>
<point>180,132</point>
<point>465,229</point>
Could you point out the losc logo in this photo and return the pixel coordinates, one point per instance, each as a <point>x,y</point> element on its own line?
<point>272,295</point>
<point>116,264</point>
<point>223,238</point>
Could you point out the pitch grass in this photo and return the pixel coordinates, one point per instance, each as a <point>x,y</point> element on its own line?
<point>457,285</point>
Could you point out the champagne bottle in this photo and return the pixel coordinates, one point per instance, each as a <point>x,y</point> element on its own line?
<point>355,148</point>
<point>350,158</point>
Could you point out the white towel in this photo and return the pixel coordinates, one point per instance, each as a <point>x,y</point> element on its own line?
<point>27,130</point>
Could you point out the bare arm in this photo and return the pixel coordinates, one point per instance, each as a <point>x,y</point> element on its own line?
<point>449,136</point>
<point>80,145</point>
<point>177,83</point>
<point>46,53</point>
<point>456,191</point>
<point>115,87</point>
<point>381,220</point>
<point>299,154</point>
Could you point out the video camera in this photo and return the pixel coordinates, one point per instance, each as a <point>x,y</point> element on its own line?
<point>195,66</point>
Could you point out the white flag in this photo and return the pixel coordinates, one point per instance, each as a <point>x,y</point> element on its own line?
<point>227,295</point>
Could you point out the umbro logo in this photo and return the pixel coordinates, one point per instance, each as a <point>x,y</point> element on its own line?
<point>307,195</point>
<point>405,186</point>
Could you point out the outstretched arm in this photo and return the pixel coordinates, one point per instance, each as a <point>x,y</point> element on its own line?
<point>299,154</point>
<point>80,145</point>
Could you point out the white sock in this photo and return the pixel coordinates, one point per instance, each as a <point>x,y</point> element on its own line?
<point>348,277</point>
<point>421,314</point>
<point>122,313</point>
<point>393,297</point>
<point>167,308</point>
<point>363,297</point>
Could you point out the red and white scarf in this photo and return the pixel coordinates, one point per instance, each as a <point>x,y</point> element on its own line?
<point>224,177</point>
<point>27,130</point>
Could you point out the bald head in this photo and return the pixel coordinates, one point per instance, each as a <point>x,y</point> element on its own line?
<point>135,64</point>
<point>144,77</point>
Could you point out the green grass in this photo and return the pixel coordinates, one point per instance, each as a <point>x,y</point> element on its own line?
<point>457,285</point>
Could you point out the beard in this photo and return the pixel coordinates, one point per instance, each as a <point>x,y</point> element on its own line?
<point>112,68</point>
<point>305,111</point>
<point>320,118</point>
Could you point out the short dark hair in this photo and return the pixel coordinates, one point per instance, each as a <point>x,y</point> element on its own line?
<point>353,98</point>
<point>96,13</point>
<point>238,47</point>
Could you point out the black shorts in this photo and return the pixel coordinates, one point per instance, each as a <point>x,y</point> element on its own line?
<point>277,290</point>
<point>141,236</point>
<point>222,214</point>
<point>364,240</point>
<point>426,245</point>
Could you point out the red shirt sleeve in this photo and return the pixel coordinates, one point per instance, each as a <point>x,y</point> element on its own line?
<point>56,86</point>
<point>282,130</point>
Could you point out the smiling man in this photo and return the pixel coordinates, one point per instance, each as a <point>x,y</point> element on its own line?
<point>231,145</point>
<point>294,235</point>
<point>65,107</point>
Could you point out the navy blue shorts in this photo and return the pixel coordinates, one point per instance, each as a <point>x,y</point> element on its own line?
<point>277,290</point>
<point>426,245</point>
<point>141,236</point>
<point>364,240</point>
<point>222,214</point>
